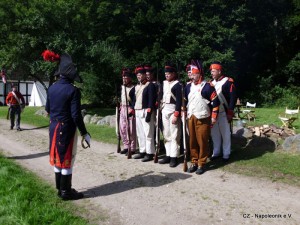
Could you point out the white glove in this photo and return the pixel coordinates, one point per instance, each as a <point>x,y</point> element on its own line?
<point>87,139</point>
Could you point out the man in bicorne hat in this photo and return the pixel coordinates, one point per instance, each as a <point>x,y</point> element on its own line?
<point>202,111</point>
<point>220,132</point>
<point>126,109</point>
<point>64,108</point>
<point>144,106</point>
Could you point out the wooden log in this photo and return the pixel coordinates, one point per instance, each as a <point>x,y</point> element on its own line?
<point>257,131</point>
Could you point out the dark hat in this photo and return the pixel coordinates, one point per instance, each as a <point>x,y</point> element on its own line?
<point>148,68</point>
<point>170,67</point>
<point>67,68</point>
<point>126,72</point>
<point>139,69</point>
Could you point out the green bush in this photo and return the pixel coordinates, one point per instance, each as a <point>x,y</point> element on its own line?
<point>275,97</point>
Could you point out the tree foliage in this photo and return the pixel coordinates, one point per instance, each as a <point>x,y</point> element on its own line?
<point>255,40</point>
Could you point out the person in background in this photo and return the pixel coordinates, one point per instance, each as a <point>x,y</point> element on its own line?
<point>202,111</point>
<point>189,74</point>
<point>220,132</point>
<point>16,104</point>
<point>64,108</point>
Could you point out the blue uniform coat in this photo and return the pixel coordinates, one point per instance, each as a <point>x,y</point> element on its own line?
<point>63,105</point>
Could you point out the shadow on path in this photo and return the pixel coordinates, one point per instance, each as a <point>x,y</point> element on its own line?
<point>31,156</point>
<point>36,128</point>
<point>142,180</point>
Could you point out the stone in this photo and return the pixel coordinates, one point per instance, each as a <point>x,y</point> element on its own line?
<point>87,118</point>
<point>292,144</point>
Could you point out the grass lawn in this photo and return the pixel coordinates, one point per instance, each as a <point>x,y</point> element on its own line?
<point>25,199</point>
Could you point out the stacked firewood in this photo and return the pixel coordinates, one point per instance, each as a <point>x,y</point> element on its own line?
<point>271,130</point>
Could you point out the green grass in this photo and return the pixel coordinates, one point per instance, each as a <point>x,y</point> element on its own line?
<point>270,116</point>
<point>98,133</point>
<point>25,199</point>
<point>274,165</point>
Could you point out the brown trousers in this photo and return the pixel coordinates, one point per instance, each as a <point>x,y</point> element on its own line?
<point>199,130</point>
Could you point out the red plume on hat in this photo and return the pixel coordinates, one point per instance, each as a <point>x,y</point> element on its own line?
<point>50,56</point>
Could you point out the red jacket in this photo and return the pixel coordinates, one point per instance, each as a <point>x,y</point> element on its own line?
<point>10,99</point>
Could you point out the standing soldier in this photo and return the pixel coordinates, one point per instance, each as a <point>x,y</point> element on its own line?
<point>220,132</point>
<point>126,109</point>
<point>202,111</point>
<point>157,122</point>
<point>16,103</point>
<point>171,108</point>
<point>144,105</point>
<point>150,77</point>
<point>63,106</point>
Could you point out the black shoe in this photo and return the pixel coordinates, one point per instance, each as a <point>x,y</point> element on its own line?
<point>192,169</point>
<point>19,129</point>
<point>225,160</point>
<point>200,170</point>
<point>147,158</point>
<point>71,194</point>
<point>214,158</point>
<point>132,152</point>
<point>139,156</point>
<point>124,151</point>
<point>173,162</point>
<point>11,127</point>
<point>165,160</point>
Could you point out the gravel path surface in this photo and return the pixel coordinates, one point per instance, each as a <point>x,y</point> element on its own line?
<point>129,192</point>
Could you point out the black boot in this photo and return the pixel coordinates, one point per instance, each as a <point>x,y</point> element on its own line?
<point>132,152</point>
<point>148,157</point>
<point>68,193</point>
<point>57,182</point>
<point>165,160</point>
<point>173,162</point>
<point>139,156</point>
<point>124,151</point>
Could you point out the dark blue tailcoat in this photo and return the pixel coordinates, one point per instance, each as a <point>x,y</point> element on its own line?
<point>64,107</point>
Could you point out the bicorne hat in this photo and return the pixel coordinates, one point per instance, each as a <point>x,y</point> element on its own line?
<point>66,67</point>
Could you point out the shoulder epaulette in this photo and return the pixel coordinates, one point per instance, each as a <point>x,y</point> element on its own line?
<point>230,79</point>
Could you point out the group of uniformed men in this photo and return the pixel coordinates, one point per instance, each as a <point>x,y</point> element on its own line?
<point>210,109</point>
<point>209,104</point>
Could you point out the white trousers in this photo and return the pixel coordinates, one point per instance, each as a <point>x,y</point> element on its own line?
<point>145,131</point>
<point>171,131</point>
<point>74,152</point>
<point>221,136</point>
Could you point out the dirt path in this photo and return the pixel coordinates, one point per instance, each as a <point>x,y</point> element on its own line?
<point>131,192</point>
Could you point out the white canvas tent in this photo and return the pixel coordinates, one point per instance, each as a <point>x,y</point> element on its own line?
<point>38,95</point>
